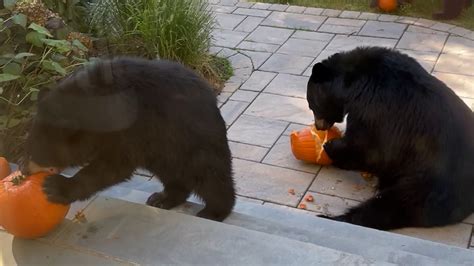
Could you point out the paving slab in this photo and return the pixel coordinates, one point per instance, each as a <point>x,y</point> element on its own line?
<point>249,24</point>
<point>461,84</point>
<point>228,21</point>
<point>258,81</point>
<point>231,110</point>
<point>244,96</point>
<point>296,9</point>
<point>289,108</point>
<point>254,130</point>
<point>284,63</point>
<point>222,9</point>
<point>269,35</point>
<point>278,7</point>
<point>387,17</point>
<point>252,12</point>
<point>459,45</point>
<point>383,29</point>
<point>339,29</point>
<point>294,21</point>
<point>257,46</point>
<point>422,42</point>
<point>313,11</point>
<point>227,38</point>
<point>350,14</point>
<point>327,205</point>
<point>294,46</point>
<point>344,184</point>
<point>331,12</point>
<point>270,183</point>
<point>257,58</point>
<point>456,64</point>
<point>454,235</point>
<point>261,6</point>
<point>345,43</point>
<point>288,85</point>
<point>418,29</point>
<point>310,35</point>
<point>247,151</point>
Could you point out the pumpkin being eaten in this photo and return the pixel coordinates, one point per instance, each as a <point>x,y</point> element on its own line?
<point>4,168</point>
<point>25,210</point>
<point>307,144</point>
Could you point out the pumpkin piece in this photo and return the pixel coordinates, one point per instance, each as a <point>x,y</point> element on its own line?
<point>388,5</point>
<point>308,144</point>
<point>4,168</point>
<point>291,191</point>
<point>309,198</point>
<point>302,206</point>
<point>26,212</point>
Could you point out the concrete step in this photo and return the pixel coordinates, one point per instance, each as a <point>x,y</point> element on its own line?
<point>294,224</point>
<point>130,233</point>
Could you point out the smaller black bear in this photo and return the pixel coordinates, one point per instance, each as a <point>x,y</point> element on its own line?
<point>403,125</point>
<point>126,113</point>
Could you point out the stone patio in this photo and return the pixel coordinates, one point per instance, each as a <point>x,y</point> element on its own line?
<point>272,48</point>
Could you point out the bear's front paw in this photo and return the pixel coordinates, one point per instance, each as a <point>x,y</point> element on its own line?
<point>58,189</point>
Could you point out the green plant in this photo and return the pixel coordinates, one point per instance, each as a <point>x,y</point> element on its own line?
<point>30,60</point>
<point>178,30</point>
<point>73,12</point>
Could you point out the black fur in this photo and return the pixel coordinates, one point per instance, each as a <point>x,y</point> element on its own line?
<point>406,127</point>
<point>126,113</point>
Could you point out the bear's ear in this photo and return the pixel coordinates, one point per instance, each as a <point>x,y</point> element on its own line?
<point>321,73</point>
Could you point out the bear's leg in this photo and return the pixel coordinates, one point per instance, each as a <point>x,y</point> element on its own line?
<point>98,175</point>
<point>414,203</point>
<point>219,196</point>
<point>173,195</point>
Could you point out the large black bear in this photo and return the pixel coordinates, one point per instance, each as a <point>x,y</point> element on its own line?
<point>125,113</point>
<point>403,125</point>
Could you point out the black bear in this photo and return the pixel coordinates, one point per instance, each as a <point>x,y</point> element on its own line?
<point>403,125</point>
<point>126,113</point>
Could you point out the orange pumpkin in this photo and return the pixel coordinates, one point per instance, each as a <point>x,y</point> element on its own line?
<point>388,5</point>
<point>25,210</point>
<point>4,168</point>
<point>307,144</point>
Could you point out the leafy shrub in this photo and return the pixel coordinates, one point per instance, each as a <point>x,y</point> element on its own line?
<point>30,60</point>
<point>179,30</point>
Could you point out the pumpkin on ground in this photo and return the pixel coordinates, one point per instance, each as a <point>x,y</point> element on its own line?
<point>307,144</point>
<point>25,210</point>
<point>4,168</point>
<point>388,5</point>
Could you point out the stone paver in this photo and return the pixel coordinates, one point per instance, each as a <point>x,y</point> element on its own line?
<point>461,84</point>
<point>269,35</point>
<point>342,25</point>
<point>295,21</point>
<point>231,110</point>
<point>227,38</point>
<point>243,96</point>
<point>422,42</point>
<point>344,184</point>
<point>252,12</point>
<point>270,183</point>
<point>258,58</point>
<point>249,24</point>
<point>256,130</point>
<point>258,81</point>
<point>344,43</point>
<point>302,47</point>
<point>289,85</point>
<point>247,151</point>
<point>228,21</point>
<point>383,29</point>
<point>289,108</point>
<point>328,205</point>
<point>284,63</point>
<point>456,235</point>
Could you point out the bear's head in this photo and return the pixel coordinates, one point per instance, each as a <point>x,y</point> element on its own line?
<point>80,117</point>
<point>324,95</point>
